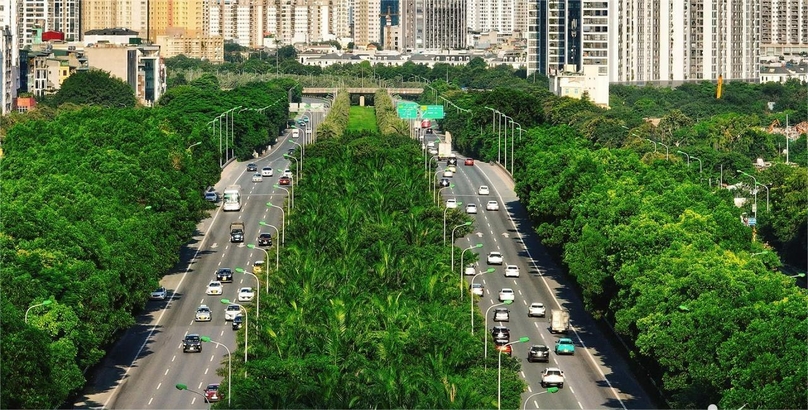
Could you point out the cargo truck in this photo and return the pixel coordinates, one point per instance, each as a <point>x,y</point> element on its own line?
<point>444,150</point>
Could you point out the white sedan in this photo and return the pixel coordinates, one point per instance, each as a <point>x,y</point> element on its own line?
<point>536,309</point>
<point>245,294</point>
<point>495,258</point>
<point>471,209</point>
<point>231,311</point>
<point>266,171</point>
<point>159,294</point>
<point>506,294</point>
<point>470,271</point>
<point>447,173</point>
<point>511,271</point>
<point>257,178</point>
<point>214,288</point>
<point>287,173</point>
<point>477,289</point>
<point>451,203</point>
<point>492,206</point>
<point>483,190</point>
<point>202,314</point>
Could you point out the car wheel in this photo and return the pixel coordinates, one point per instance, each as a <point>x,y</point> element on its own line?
<point>561,385</point>
<point>543,384</point>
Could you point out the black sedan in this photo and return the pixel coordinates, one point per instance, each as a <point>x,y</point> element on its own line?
<point>264,239</point>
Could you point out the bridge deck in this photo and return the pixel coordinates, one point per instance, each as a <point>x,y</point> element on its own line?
<point>362,90</point>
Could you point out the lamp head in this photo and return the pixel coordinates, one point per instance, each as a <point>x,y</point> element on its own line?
<point>225,301</point>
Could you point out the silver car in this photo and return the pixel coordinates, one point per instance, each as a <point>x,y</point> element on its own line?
<point>502,315</point>
<point>202,314</point>
<point>231,311</point>
<point>536,309</point>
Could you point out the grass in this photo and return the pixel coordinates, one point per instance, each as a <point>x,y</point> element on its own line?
<point>362,118</point>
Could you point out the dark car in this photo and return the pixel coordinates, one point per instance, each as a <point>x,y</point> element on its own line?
<point>224,275</point>
<point>285,181</point>
<point>444,182</point>
<point>264,239</point>
<point>252,167</point>
<point>501,334</point>
<point>192,343</point>
<point>212,393</point>
<point>237,322</point>
<point>212,196</point>
<point>538,353</point>
<point>290,151</point>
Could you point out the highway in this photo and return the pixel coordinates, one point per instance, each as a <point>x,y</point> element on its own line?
<point>147,363</point>
<point>596,376</point>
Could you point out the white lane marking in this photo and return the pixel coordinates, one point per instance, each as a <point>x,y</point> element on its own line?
<point>150,400</point>
<point>571,391</point>
<point>166,373</point>
<point>172,359</point>
<point>555,299</point>
<point>520,291</point>
<point>158,386</point>
<point>211,358</point>
<point>529,389</point>
<point>200,386</point>
<point>193,400</point>
<point>206,370</point>
<point>582,406</point>
<point>522,372</point>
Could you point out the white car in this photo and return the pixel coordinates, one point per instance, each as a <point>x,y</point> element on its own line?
<point>433,151</point>
<point>506,294</point>
<point>492,206</point>
<point>214,288</point>
<point>536,309</point>
<point>511,271</point>
<point>267,172</point>
<point>483,190</point>
<point>159,294</point>
<point>287,173</point>
<point>447,173</point>
<point>202,314</point>
<point>245,295</point>
<point>502,315</point>
<point>494,258</point>
<point>471,209</point>
<point>451,203</point>
<point>470,271</point>
<point>477,289</point>
<point>552,376</point>
<point>257,178</point>
<point>231,311</point>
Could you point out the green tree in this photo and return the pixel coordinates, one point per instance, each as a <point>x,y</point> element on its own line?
<point>94,87</point>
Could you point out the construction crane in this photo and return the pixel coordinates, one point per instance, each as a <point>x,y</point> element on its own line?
<point>775,123</point>
<point>720,86</point>
<point>388,37</point>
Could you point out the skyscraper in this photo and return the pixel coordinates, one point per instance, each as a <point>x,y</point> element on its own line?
<point>491,15</point>
<point>784,27</point>
<point>366,22</point>
<point>101,14</point>
<point>46,15</point>
<point>389,9</point>
<point>433,24</point>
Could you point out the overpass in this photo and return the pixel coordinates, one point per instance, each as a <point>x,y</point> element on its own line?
<point>362,90</point>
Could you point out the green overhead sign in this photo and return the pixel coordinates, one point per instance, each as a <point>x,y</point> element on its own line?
<point>407,113</point>
<point>432,112</point>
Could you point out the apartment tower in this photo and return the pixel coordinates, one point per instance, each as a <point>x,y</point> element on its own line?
<point>102,14</point>
<point>37,16</point>
<point>366,22</point>
<point>491,15</point>
<point>783,27</point>
<point>433,24</point>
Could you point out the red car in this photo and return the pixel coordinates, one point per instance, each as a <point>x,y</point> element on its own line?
<point>469,162</point>
<point>285,181</point>
<point>505,348</point>
<point>212,393</point>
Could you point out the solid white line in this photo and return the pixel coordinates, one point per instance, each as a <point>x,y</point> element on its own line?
<point>581,405</point>
<point>552,295</point>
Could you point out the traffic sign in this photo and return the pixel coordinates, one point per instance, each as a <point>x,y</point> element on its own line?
<point>407,104</point>
<point>751,221</point>
<point>407,113</point>
<point>432,112</point>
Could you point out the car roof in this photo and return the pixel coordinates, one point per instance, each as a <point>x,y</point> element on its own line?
<point>266,168</point>
<point>537,304</point>
<point>224,269</point>
<point>507,290</point>
<point>539,346</point>
<point>476,285</point>
<point>494,253</point>
<point>245,288</point>
<point>500,309</point>
<point>231,306</point>
<point>203,307</point>
<point>215,282</point>
<point>565,339</point>
<point>192,335</point>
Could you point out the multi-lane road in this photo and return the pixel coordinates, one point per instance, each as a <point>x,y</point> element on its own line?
<point>596,377</point>
<point>144,367</point>
<point>146,364</point>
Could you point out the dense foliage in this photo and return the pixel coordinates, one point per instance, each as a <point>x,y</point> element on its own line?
<point>334,124</point>
<point>96,204</point>
<point>386,115</point>
<point>364,312</point>
<point>93,87</point>
<point>656,246</point>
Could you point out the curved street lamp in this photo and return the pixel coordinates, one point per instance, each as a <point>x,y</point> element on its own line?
<point>477,246</point>
<point>444,221</point>
<point>289,198</point>
<point>755,190</point>
<point>549,390</point>
<point>471,299</point>
<point>180,386</point>
<point>524,339</point>
<point>452,244</point>
<point>44,303</point>
<point>302,156</point>
<point>257,290</point>
<point>652,142</point>
<point>252,246</point>
<point>229,362</point>
<point>277,248</point>
<point>283,222</point>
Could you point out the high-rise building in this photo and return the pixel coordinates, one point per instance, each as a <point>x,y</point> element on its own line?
<point>521,10</point>
<point>366,22</point>
<point>38,16</point>
<point>186,18</point>
<point>8,70</point>
<point>104,14</point>
<point>558,32</point>
<point>341,18</point>
<point>491,15</point>
<point>433,24</point>
<point>784,27</point>
<point>678,41</point>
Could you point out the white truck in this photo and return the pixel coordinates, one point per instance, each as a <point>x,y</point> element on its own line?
<point>232,198</point>
<point>444,150</point>
<point>559,321</point>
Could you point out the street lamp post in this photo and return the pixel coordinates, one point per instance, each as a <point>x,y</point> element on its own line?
<point>485,326</point>
<point>700,167</point>
<point>767,196</point>
<point>549,390</point>
<point>283,222</point>
<point>246,327</point>
<point>667,156</point>
<point>498,130</point>
<point>437,197</point>
<point>652,142</point>
<point>257,290</point>
<point>433,187</point>
<point>471,298</point>
<point>252,246</point>
<point>291,199</point>
<point>229,362</point>
<point>180,386</point>
<point>44,303</point>
<point>519,126</point>
<point>755,190</point>
<point>444,222</point>
<point>302,156</point>
<point>452,244</point>
<point>192,145</point>
<point>505,140</point>
<point>277,248</point>
<point>687,155</point>
<point>477,246</point>
<point>499,370</point>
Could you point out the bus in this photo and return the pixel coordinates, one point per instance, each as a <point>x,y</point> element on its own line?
<point>232,198</point>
